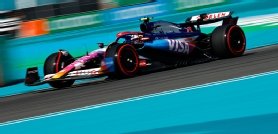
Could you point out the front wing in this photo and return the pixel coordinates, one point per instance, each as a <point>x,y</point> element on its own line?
<point>33,79</point>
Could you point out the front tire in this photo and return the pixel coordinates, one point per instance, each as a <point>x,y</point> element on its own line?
<point>228,41</point>
<point>125,58</point>
<point>53,64</point>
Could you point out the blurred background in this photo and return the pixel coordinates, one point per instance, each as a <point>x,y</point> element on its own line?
<point>30,30</point>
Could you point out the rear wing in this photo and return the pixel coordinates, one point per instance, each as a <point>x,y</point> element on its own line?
<point>203,19</point>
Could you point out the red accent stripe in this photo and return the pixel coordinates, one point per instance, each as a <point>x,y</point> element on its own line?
<point>57,62</point>
<point>143,63</point>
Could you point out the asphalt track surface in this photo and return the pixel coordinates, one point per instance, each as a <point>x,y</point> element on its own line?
<point>37,103</point>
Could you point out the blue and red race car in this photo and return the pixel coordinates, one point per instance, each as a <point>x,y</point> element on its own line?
<point>158,44</point>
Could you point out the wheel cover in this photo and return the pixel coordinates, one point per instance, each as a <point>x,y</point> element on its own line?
<point>127,60</point>
<point>236,40</point>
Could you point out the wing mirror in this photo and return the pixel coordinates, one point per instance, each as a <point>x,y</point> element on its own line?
<point>100,45</point>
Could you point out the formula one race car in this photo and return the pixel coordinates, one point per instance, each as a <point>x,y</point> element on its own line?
<point>160,43</point>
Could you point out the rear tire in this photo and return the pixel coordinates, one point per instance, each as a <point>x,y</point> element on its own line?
<point>125,58</point>
<point>228,41</point>
<point>53,64</point>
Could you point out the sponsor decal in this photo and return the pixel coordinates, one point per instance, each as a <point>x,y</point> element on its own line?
<point>180,46</point>
<point>78,65</point>
<point>211,16</point>
<point>94,71</point>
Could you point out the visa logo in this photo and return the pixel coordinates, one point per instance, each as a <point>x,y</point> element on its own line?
<point>178,46</point>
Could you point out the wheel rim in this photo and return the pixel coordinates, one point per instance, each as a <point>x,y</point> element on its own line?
<point>236,40</point>
<point>128,60</point>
